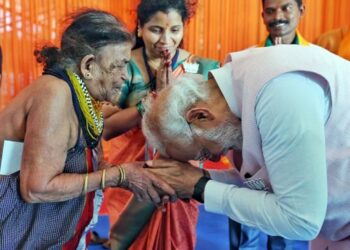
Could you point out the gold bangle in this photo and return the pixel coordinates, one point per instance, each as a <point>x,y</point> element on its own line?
<point>124,181</point>
<point>122,176</point>
<point>103,179</point>
<point>86,181</point>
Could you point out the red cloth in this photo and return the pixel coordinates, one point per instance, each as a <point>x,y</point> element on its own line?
<point>173,229</point>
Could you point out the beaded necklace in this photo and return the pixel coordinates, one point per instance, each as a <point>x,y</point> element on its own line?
<point>92,117</point>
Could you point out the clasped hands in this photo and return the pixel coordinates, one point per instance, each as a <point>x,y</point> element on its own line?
<point>164,74</point>
<point>181,176</point>
<point>162,180</point>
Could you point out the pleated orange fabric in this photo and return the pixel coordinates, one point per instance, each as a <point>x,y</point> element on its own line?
<point>219,27</point>
<point>26,25</point>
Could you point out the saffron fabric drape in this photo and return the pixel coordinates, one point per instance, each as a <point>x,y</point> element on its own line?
<point>26,25</point>
<point>219,27</point>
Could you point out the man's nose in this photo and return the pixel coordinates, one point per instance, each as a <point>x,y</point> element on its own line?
<point>279,15</point>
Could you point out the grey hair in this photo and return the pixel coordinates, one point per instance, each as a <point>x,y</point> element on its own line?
<point>172,124</point>
<point>88,31</point>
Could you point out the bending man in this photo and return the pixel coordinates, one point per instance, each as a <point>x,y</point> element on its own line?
<point>294,140</point>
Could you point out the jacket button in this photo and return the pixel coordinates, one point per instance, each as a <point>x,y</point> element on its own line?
<point>247,175</point>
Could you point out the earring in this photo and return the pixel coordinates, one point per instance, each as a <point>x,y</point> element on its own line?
<point>87,76</point>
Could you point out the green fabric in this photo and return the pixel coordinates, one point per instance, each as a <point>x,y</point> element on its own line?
<point>135,89</point>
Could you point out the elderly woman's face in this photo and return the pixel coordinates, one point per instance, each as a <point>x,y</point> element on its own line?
<point>110,72</point>
<point>164,31</point>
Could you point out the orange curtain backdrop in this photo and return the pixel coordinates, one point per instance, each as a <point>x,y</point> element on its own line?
<point>222,26</point>
<point>219,27</point>
<point>26,25</point>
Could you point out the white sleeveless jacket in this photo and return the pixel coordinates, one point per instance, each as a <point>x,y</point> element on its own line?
<point>336,71</point>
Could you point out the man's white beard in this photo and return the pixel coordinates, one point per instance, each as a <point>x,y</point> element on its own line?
<point>227,134</point>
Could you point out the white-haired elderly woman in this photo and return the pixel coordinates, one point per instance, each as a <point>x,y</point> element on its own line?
<point>53,200</point>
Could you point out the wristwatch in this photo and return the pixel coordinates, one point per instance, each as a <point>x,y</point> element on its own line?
<point>200,186</point>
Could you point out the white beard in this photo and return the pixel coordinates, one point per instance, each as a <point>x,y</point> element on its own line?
<point>227,135</point>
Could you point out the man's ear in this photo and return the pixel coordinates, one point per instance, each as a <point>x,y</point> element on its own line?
<point>195,115</point>
<point>86,66</point>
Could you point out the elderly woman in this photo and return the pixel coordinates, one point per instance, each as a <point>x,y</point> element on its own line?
<point>52,201</point>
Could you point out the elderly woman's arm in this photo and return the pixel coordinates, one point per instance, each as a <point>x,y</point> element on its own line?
<point>51,130</point>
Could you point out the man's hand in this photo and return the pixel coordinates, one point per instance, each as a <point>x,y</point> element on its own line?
<point>181,176</point>
<point>145,185</point>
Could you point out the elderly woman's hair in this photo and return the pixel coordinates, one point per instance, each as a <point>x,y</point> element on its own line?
<point>88,31</point>
<point>160,124</point>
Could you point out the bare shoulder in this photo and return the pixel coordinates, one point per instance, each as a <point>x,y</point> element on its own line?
<point>49,88</point>
<point>44,108</point>
<point>51,95</point>
<point>51,113</point>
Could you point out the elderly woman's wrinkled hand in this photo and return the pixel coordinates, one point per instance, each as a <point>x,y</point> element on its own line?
<point>145,185</point>
<point>179,175</point>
